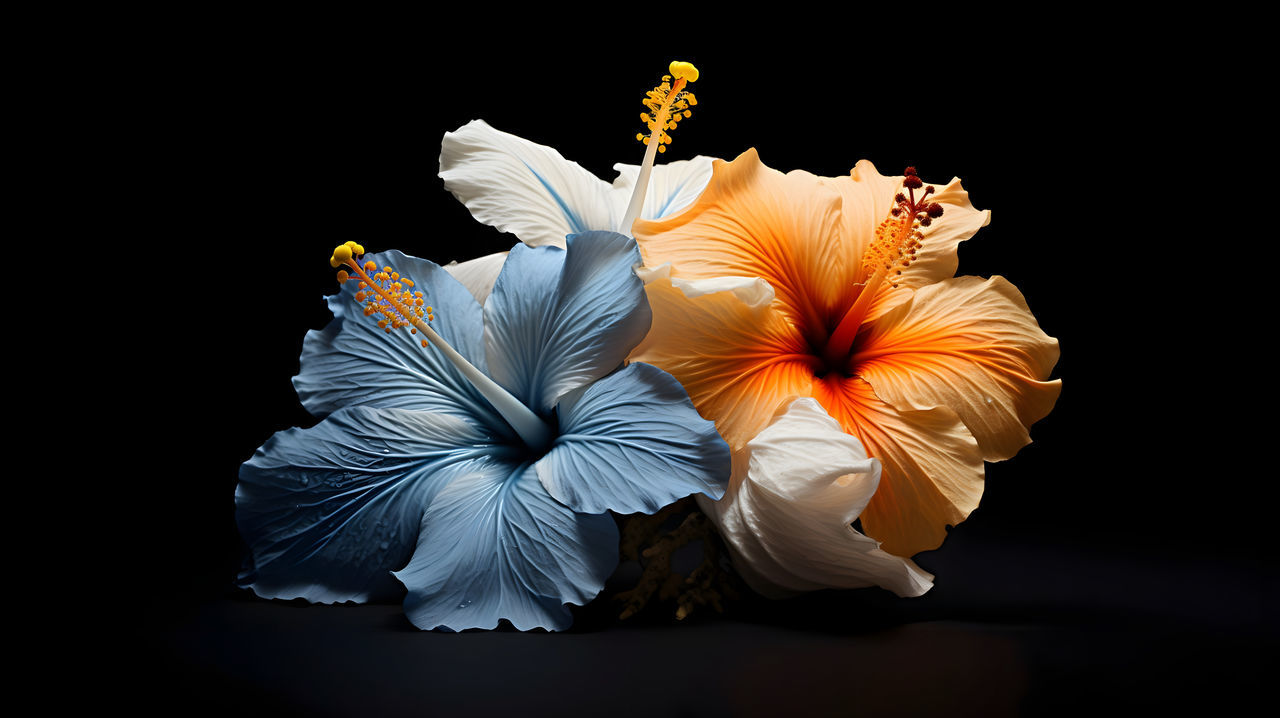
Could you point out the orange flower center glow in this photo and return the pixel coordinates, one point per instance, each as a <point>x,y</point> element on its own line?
<point>897,240</point>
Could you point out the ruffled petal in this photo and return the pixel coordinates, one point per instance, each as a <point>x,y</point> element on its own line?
<point>558,319</point>
<point>521,187</point>
<point>867,196</point>
<point>752,221</point>
<point>351,361</point>
<point>726,341</point>
<point>632,442</point>
<point>328,512</point>
<point>931,468</point>
<point>972,346</point>
<point>479,274</point>
<point>797,487</point>
<point>495,545</point>
<point>673,186</point>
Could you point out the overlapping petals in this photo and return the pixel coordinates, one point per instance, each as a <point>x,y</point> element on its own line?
<point>558,320</point>
<point>533,192</point>
<point>796,488</point>
<point>413,473</point>
<point>943,372</point>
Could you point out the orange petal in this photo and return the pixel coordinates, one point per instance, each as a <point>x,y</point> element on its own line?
<point>727,343</point>
<point>867,196</point>
<point>970,345</point>
<point>752,221</point>
<point>932,470</point>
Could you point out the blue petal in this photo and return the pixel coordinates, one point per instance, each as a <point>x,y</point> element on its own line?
<point>328,512</point>
<point>633,442</point>
<point>352,361</point>
<point>559,319</point>
<point>495,545</point>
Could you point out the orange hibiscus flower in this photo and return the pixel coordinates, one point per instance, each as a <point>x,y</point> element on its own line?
<point>775,286</point>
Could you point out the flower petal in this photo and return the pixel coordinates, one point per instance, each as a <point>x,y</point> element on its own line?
<point>797,487</point>
<point>673,186</point>
<point>328,512</point>
<point>867,196</point>
<point>632,442</point>
<point>351,361</point>
<point>495,545</point>
<point>479,274</point>
<point>521,187</point>
<point>752,221</point>
<point>931,468</point>
<point>559,319</point>
<point>970,345</point>
<point>726,341</point>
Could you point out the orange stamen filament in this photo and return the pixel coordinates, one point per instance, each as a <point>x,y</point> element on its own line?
<point>533,430</point>
<point>894,248</point>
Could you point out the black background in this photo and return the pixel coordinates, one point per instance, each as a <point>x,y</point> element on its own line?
<point>1123,557</point>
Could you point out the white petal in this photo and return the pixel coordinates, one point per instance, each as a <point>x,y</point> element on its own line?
<point>672,187</point>
<point>796,487</point>
<point>521,187</point>
<point>479,274</point>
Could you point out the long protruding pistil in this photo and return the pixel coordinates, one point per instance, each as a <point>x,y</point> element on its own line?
<point>532,430</point>
<point>894,249</point>
<point>661,101</point>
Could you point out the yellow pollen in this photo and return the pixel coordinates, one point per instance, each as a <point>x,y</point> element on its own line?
<point>383,292</point>
<point>668,103</point>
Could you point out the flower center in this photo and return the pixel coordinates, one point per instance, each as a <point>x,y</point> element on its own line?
<point>668,103</point>
<point>894,248</point>
<point>391,296</point>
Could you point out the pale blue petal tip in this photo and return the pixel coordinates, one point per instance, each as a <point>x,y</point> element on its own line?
<point>494,545</point>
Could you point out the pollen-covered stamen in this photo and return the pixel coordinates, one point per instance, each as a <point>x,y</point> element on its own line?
<point>898,239</point>
<point>667,105</point>
<point>391,296</point>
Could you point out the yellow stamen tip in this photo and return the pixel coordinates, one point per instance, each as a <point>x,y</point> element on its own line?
<point>333,262</point>
<point>342,252</point>
<point>343,276</point>
<point>684,70</point>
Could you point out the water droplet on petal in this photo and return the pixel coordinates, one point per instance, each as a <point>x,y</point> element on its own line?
<point>465,603</point>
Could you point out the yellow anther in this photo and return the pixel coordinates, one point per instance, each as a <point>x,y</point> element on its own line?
<point>369,266</point>
<point>668,103</point>
<point>342,252</point>
<point>333,262</point>
<point>343,276</point>
<point>684,70</point>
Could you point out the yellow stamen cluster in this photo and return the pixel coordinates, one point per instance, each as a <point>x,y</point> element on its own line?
<point>894,249</point>
<point>668,103</point>
<point>383,292</point>
<point>898,237</point>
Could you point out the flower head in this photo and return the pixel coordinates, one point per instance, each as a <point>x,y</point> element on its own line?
<point>775,286</point>
<point>471,453</point>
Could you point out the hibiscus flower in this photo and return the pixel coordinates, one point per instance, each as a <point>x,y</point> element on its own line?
<point>775,286</point>
<point>471,454</point>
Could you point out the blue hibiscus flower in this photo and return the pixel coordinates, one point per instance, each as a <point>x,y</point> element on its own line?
<point>481,482</point>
